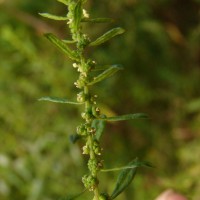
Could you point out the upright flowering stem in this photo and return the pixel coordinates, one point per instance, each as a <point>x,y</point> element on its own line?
<point>86,130</point>
<point>93,122</point>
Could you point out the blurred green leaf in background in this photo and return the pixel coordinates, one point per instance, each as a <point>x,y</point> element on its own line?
<point>160,52</point>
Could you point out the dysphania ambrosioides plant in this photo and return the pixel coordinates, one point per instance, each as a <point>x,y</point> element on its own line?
<point>93,121</point>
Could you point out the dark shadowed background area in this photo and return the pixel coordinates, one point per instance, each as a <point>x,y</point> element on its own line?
<point>160,52</point>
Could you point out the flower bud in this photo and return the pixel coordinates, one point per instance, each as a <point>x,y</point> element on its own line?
<point>95,111</point>
<point>81,130</point>
<point>90,182</point>
<point>96,148</point>
<point>91,130</point>
<point>81,97</point>
<point>86,149</point>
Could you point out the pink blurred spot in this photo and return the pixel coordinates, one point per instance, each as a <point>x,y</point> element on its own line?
<point>170,195</point>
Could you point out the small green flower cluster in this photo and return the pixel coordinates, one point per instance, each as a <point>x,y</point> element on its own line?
<point>90,182</point>
<point>84,67</point>
<point>81,39</point>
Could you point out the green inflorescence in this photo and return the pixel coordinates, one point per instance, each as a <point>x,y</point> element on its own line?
<point>92,126</point>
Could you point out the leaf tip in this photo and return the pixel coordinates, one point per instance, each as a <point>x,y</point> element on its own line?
<point>41,99</point>
<point>41,14</point>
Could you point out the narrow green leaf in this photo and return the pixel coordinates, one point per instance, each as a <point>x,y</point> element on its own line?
<point>78,14</point>
<point>66,2</point>
<point>61,45</point>
<point>124,179</point>
<point>126,117</point>
<point>58,100</point>
<point>107,36</point>
<point>73,196</point>
<point>99,125</point>
<point>136,164</point>
<point>54,17</point>
<point>104,67</point>
<point>107,73</point>
<point>97,20</point>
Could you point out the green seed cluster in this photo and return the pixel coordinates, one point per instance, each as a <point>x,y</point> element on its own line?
<point>90,182</point>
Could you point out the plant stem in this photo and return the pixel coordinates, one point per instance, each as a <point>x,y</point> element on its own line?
<point>83,65</point>
<point>90,141</point>
<point>96,194</point>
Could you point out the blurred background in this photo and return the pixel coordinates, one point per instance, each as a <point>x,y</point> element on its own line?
<point>160,51</point>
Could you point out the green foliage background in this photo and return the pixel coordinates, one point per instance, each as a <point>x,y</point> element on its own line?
<point>160,53</point>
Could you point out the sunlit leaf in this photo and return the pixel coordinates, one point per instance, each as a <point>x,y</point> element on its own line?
<point>97,20</point>
<point>107,73</point>
<point>61,45</point>
<point>57,100</point>
<point>124,179</point>
<point>99,125</point>
<point>54,17</point>
<point>126,117</point>
<point>107,36</point>
<point>77,14</point>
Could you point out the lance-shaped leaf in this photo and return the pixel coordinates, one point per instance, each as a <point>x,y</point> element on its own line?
<point>54,17</point>
<point>105,67</point>
<point>125,178</point>
<point>58,100</point>
<point>97,20</point>
<point>107,36</point>
<point>126,117</point>
<point>78,14</point>
<point>136,164</point>
<point>99,125</point>
<point>66,2</point>
<point>107,73</point>
<point>61,45</point>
